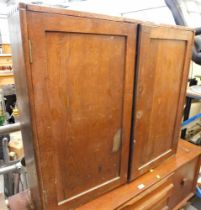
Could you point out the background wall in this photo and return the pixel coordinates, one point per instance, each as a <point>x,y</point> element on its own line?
<point>4,30</point>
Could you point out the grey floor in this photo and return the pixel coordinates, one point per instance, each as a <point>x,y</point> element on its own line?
<point>196,203</point>
<point>193,204</point>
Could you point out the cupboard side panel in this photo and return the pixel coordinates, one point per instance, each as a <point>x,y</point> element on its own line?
<point>20,51</point>
<point>184,83</point>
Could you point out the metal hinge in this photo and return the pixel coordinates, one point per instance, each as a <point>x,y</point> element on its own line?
<point>30,52</point>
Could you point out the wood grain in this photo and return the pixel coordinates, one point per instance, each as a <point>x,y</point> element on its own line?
<point>186,152</point>
<point>184,181</point>
<point>130,193</point>
<point>162,71</point>
<point>2,202</point>
<point>75,82</point>
<point>85,107</point>
<point>80,85</point>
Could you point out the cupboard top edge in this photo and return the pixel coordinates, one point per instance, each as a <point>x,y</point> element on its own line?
<point>63,11</point>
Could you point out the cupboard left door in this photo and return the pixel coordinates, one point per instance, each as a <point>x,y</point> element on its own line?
<point>82,73</point>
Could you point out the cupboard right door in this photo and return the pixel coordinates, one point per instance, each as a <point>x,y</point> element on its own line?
<point>164,54</point>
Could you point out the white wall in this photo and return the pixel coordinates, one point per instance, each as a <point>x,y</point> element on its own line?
<point>4,30</point>
<point>195,70</point>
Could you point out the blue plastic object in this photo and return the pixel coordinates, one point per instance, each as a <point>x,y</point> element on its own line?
<point>191,119</point>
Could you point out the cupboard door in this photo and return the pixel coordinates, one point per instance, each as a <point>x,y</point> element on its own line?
<point>81,77</point>
<point>164,55</point>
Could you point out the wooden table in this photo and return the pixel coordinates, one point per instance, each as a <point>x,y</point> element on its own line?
<point>20,201</point>
<point>2,202</point>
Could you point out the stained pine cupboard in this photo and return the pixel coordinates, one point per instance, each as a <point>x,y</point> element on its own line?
<point>100,98</point>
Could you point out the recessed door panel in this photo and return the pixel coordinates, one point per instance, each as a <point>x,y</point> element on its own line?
<point>86,103</point>
<point>162,72</point>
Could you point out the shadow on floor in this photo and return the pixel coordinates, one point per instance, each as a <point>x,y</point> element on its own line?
<point>195,202</point>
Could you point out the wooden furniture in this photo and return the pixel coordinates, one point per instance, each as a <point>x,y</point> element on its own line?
<point>168,186</point>
<point>6,75</point>
<point>162,72</point>
<point>20,201</point>
<point>15,144</point>
<point>81,96</point>
<point>80,102</point>
<point>6,79</point>
<point>6,48</point>
<point>2,202</point>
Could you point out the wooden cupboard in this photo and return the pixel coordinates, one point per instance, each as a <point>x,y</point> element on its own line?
<point>6,72</point>
<point>6,49</point>
<point>79,74</point>
<point>100,101</point>
<point>162,70</point>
